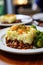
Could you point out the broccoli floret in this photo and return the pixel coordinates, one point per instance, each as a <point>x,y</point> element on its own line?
<point>38,32</point>
<point>38,42</point>
<point>33,26</point>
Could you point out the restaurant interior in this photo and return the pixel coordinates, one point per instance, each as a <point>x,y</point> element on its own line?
<point>27,7</point>
<point>21,32</point>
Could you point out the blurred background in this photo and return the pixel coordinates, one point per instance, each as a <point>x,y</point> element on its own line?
<point>27,7</point>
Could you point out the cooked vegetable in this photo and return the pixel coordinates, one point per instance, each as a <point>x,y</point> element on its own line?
<point>33,26</point>
<point>38,42</point>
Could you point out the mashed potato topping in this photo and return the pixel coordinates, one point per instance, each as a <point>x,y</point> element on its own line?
<point>8,18</point>
<point>21,33</point>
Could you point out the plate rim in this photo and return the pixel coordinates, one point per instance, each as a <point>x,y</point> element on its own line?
<point>18,51</point>
<point>36,15</point>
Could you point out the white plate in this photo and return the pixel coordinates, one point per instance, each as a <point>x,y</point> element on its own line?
<point>24,18</point>
<point>38,16</point>
<point>17,51</point>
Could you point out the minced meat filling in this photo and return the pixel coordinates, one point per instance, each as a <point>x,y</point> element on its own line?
<point>6,22</point>
<point>18,44</point>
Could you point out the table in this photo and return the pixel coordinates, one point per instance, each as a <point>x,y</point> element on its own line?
<point>17,59</point>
